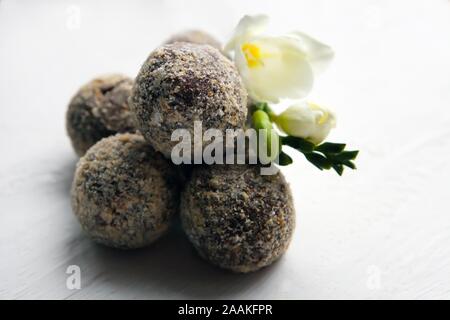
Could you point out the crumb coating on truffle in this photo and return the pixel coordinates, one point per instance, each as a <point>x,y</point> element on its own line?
<point>124,193</point>
<point>195,36</point>
<point>181,83</point>
<point>236,218</point>
<point>98,110</point>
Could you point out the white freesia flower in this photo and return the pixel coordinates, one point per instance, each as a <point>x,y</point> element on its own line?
<point>308,121</point>
<point>276,67</point>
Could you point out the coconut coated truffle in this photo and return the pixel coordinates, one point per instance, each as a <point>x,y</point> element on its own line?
<point>237,218</point>
<point>181,83</point>
<point>124,193</point>
<point>195,36</point>
<point>99,109</point>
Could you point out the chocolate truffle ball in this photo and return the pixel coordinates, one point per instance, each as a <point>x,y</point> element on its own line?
<point>237,218</point>
<point>124,193</point>
<point>99,109</point>
<point>195,36</point>
<point>181,83</point>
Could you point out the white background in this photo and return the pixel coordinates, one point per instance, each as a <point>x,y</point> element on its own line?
<point>382,231</point>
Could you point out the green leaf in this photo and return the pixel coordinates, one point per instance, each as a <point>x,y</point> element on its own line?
<point>260,106</point>
<point>349,164</point>
<point>330,147</point>
<point>298,143</point>
<point>339,168</point>
<point>318,160</point>
<point>284,159</point>
<point>263,106</point>
<point>325,156</point>
<point>347,155</point>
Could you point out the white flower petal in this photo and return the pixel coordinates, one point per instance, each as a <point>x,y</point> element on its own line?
<point>275,68</point>
<point>283,71</point>
<point>248,27</point>
<point>319,54</point>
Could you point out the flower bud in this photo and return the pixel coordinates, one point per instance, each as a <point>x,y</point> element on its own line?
<point>308,121</point>
<point>268,138</point>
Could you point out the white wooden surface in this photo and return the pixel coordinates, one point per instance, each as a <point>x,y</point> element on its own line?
<point>380,232</point>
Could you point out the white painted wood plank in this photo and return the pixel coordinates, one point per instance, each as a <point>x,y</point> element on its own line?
<point>389,85</point>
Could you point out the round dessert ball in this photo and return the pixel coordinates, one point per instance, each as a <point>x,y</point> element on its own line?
<point>99,109</point>
<point>195,36</point>
<point>181,83</point>
<point>124,193</point>
<point>237,218</point>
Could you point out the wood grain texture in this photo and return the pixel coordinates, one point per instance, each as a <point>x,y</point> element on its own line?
<point>380,232</point>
